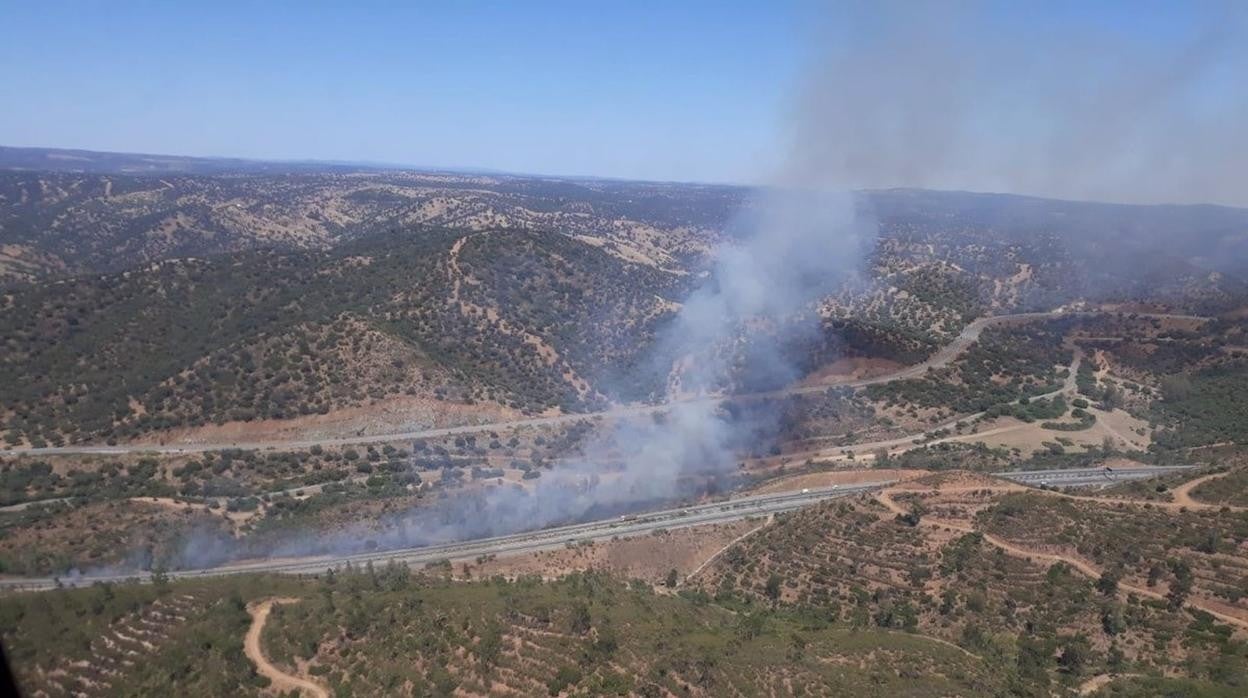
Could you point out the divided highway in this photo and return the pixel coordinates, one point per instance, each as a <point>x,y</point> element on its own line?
<point>633,525</point>
<point>1078,477</point>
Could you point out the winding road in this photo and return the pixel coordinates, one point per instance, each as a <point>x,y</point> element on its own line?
<point>279,680</point>
<point>943,357</point>
<point>1085,568</point>
<point>904,442</point>
<point>734,509</point>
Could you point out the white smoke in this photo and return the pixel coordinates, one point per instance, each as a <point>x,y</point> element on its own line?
<point>786,251</point>
<point>1145,106</point>
<point>944,95</point>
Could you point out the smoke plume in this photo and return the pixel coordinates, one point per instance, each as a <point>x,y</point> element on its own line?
<point>782,254</point>
<point>787,250</point>
<point>964,96</point>
<point>1144,106</point>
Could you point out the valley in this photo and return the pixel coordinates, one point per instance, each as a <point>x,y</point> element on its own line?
<point>312,412</point>
<point>666,350</point>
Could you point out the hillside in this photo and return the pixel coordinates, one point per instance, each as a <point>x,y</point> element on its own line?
<point>388,630</point>
<point>347,315</point>
<point>272,335</point>
<point>203,292</point>
<point>946,584</point>
<point>1069,587</point>
<point>70,212</point>
<point>59,222</point>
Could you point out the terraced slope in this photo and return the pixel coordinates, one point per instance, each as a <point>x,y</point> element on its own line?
<point>110,641</point>
<point>920,564</point>
<point>385,632</point>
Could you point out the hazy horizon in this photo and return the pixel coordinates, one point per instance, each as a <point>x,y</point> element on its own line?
<point>1121,102</point>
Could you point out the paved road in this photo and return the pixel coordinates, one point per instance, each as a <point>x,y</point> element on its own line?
<point>902,443</point>
<point>891,445</point>
<point>716,512</point>
<point>941,358</point>
<point>1090,476</point>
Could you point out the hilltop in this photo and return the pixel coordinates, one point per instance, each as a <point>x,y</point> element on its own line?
<point>144,302</point>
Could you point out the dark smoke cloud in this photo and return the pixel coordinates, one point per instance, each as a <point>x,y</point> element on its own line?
<point>1145,106</point>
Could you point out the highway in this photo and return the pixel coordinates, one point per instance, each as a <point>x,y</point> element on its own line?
<point>544,539</point>
<point>904,443</point>
<point>941,358</point>
<point>732,509</point>
<point>1083,477</point>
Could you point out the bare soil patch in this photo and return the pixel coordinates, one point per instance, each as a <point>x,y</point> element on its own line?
<point>1029,437</point>
<point>394,414</point>
<point>850,369</point>
<point>649,557</point>
<point>1183,493</point>
<point>828,478</point>
<point>1099,681</point>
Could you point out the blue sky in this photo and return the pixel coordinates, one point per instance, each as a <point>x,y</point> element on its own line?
<point>706,91</point>
<point>629,89</point>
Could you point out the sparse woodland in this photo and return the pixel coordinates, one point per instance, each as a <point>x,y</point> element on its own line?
<point>136,308</point>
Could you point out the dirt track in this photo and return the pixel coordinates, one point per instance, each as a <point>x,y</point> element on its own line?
<point>969,335</point>
<point>1183,493</point>
<point>885,497</point>
<point>281,681</point>
<point>715,556</point>
<point>1099,681</point>
<point>1181,501</point>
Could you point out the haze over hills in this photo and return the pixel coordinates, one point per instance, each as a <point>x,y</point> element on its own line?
<point>220,205</point>
<point>337,361</point>
<point>939,389</point>
<point>91,161</point>
<point>62,222</point>
<point>524,294</point>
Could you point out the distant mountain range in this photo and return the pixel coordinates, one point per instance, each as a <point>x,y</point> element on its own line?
<point>70,160</point>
